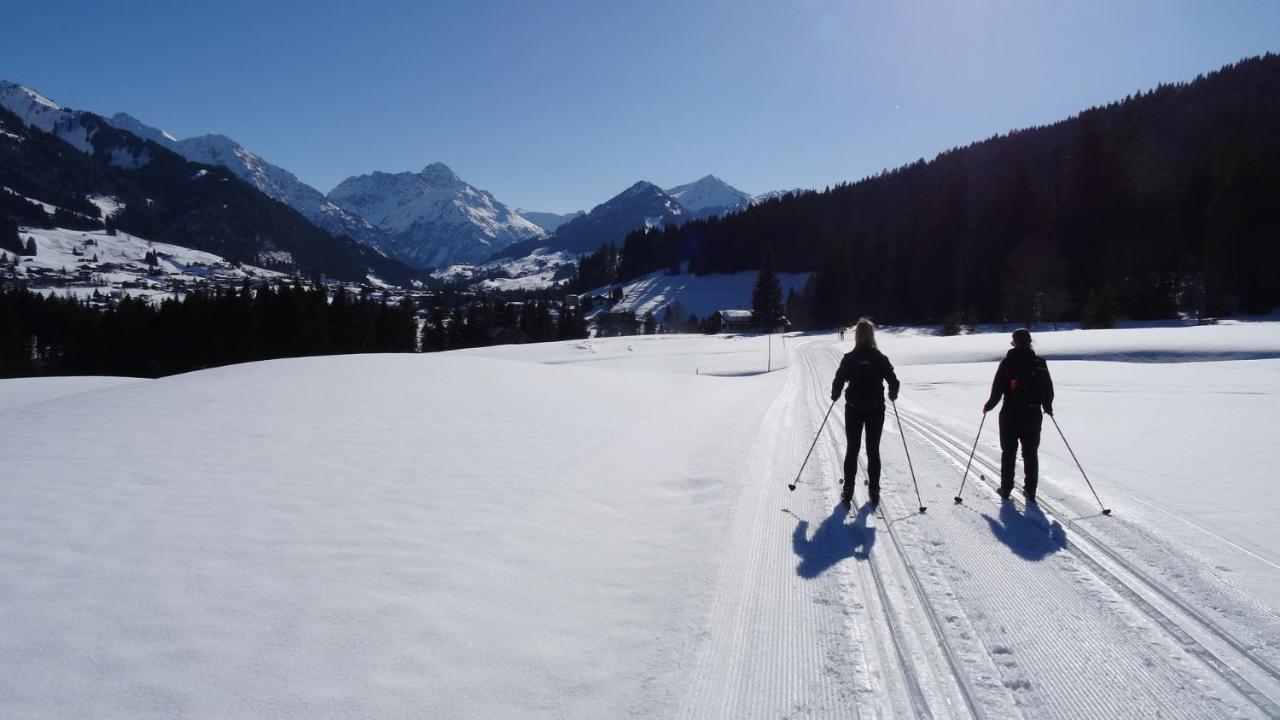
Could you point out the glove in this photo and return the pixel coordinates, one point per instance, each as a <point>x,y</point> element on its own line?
<point>893,397</point>
<point>988,408</point>
<point>1048,410</point>
<point>835,396</point>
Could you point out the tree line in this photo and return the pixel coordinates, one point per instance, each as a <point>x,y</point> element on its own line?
<point>53,335</point>
<point>58,335</point>
<point>1160,204</point>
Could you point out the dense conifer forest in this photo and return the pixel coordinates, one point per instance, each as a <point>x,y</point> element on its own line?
<point>1164,202</point>
<point>52,335</point>
<point>42,335</point>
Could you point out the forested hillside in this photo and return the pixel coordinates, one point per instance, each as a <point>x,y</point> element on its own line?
<point>1163,202</point>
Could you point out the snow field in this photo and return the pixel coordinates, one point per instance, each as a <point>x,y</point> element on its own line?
<point>385,536</point>
<point>602,528</point>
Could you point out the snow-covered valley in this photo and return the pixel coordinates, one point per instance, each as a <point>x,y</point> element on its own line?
<point>602,528</point>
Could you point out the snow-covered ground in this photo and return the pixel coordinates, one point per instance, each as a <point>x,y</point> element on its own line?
<point>701,295</point>
<point>535,271</point>
<point>15,392</point>
<point>602,528</point>
<point>93,261</point>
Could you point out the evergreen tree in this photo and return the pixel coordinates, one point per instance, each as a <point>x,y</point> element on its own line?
<point>1099,310</point>
<point>650,324</point>
<point>766,296</point>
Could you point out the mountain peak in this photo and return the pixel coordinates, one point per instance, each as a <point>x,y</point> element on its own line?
<point>7,87</point>
<point>438,171</point>
<point>709,195</point>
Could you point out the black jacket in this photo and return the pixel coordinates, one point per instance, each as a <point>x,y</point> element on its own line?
<point>865,369</point>
<point>1036,388</point>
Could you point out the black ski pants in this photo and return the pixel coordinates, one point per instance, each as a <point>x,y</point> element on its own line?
<point>1020,425</point>
<point>855,421</point>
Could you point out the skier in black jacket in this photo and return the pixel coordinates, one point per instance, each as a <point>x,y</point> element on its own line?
<point>865,368</point>
<point>1023,381</point>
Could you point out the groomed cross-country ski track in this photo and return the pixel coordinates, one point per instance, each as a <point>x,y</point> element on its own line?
<point>979,609</point>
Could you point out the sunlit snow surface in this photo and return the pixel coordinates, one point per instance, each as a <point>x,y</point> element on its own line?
<point>544,530</point>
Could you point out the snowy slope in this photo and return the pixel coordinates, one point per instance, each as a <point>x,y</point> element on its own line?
<point>602,528</point>
<point>700,295</point>
<point>273,180</point>
<point>74,127</point>
<point>280,184</point>
<point>433,218</point>
<point>539,269</point>
<point>16,392</point>
<point>99,261</point>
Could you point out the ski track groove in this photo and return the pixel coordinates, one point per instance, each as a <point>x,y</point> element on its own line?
<point>1085,614</point>
<point>774,641</point>
<point>1248,607</point>
<point>915,684</point>
<point>940,620</point>
<point>1220,665</point>
<point>1194,651</point>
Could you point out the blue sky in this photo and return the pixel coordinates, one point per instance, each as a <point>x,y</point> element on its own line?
<point>558,106</point>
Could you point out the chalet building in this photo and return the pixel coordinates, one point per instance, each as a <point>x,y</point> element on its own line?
<point>726,321</point>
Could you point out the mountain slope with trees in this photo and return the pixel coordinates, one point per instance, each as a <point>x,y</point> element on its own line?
<point>165,198</point>
<point>1164,202</point>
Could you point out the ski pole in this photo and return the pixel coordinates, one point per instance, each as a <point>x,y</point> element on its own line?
<point>1105,510</point>
<point>792,486</point>
<point>967,465</point>
<point>908,454</point>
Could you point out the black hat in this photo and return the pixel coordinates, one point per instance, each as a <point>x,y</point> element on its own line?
<point>1022,337</point>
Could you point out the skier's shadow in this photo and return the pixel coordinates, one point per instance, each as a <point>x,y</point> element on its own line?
<point>1030,535</point>
<point>833,541</point>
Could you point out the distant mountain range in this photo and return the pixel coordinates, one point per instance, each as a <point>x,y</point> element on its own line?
<point>639,206</point>
<point>272,180</point>
<point>433,218</point>
<point>427,219</point>
<point>550,222</point>
<point>59,177</point>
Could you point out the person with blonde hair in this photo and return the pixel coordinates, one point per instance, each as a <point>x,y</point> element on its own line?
<point>865,369</point>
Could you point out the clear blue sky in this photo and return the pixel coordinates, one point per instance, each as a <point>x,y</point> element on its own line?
<point>559,105</point>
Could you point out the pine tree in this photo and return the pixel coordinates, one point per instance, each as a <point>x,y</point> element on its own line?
<point>31,246</point>
<point>766,297</point>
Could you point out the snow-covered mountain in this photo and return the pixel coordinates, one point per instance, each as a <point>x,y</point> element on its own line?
<point>641,205</point>
<point>74,127</point>
<point>709,196</point>
<point>129,123</point>
<point>273,180</point>
<point>546,220</point>
<point>433,218</point>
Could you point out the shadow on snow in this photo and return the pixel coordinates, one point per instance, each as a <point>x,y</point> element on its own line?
<point>833,541</point>
<point>1029,534</point>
